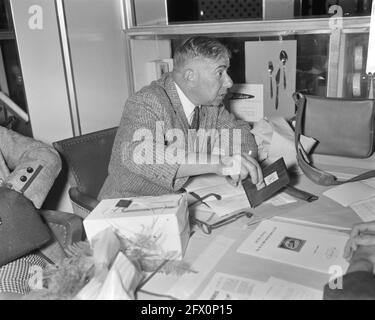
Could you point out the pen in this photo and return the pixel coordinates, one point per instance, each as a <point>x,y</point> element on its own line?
<point>238,95</point>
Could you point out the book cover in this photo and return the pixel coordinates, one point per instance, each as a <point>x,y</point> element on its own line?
<point>303,246</point>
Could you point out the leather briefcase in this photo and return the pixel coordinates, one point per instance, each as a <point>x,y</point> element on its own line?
<point>342,127</point>
<point>22,229</point>
<point>315,174</point>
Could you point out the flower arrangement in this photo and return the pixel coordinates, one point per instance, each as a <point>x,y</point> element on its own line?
<point>65,280</point>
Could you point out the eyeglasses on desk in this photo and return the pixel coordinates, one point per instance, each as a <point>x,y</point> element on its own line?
<point>206,227</point>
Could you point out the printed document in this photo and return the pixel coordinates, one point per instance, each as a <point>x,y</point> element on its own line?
<point>307,247</point>
<point>223,286</point>
<point>278,289</point>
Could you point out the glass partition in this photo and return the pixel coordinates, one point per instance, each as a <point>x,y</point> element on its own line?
<point>172,12</point>
<point>325,58</point>
<point>311,64</point>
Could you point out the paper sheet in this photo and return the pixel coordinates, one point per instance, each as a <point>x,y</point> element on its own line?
<point>283,144</point>
<point>250,110</point>
<point>278,289</point>
<point>225,286</point>
<point>307,247</point>
<point>186,284</point>
<point>275,139</point>
<point>365,209</point>
<point>281,199</point>
<point>349,193</point>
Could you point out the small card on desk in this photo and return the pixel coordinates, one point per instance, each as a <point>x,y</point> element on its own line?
<point>275,177</point>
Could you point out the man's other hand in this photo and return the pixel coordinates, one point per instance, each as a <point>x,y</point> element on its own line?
<point>239,166</point>
<point>362,234</point>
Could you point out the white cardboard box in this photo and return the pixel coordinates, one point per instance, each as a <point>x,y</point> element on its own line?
<point>163,220</point>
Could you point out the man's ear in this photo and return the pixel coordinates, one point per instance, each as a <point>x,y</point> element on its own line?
<point>190,77</point>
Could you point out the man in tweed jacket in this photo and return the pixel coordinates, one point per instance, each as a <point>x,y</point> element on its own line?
<point>157,119</point>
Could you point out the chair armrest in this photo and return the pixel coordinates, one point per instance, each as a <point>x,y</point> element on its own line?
<point>66,227</point>
<point>85,201</point>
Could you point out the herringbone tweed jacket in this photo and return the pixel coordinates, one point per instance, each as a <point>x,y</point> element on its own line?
<point>145,132</point>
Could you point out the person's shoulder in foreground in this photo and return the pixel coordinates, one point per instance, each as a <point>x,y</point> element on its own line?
<point>359,282</point>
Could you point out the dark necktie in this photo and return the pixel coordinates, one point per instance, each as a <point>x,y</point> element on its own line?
<point>195,121</point>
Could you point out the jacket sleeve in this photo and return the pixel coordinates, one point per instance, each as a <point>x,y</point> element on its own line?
<point>32,165</point>
<point>359,285</point>
<point>141,146</point>
<point>246,143</point>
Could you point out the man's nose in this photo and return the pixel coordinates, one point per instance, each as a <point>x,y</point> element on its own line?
<point>228,83</point>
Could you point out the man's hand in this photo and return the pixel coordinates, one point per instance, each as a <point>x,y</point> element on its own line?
<point>238,167</point>
<point>362,234</point>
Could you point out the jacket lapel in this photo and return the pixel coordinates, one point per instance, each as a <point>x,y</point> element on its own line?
<point>171,90</point>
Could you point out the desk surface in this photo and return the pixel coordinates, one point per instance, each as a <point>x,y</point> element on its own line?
<point>222,245</point>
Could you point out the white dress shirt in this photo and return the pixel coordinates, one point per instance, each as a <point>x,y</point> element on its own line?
<point>187,105</point>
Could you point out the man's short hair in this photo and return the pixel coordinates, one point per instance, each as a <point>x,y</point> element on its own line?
<point>199,47</point>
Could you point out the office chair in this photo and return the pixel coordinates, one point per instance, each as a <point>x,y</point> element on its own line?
<point>86,159</point>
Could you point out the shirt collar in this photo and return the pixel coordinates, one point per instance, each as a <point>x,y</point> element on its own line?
<point>187,105</point>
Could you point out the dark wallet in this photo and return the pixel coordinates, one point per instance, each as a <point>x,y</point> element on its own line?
<point>275,177</point>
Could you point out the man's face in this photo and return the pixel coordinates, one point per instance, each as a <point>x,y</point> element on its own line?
<point>212,81</point>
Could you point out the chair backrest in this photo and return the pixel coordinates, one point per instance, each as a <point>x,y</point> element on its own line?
<point>87,158</point>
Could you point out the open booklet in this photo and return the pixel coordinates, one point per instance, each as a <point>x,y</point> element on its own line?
<point>221,200</point>
<point>225,198</point>
<point>213,201</point>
